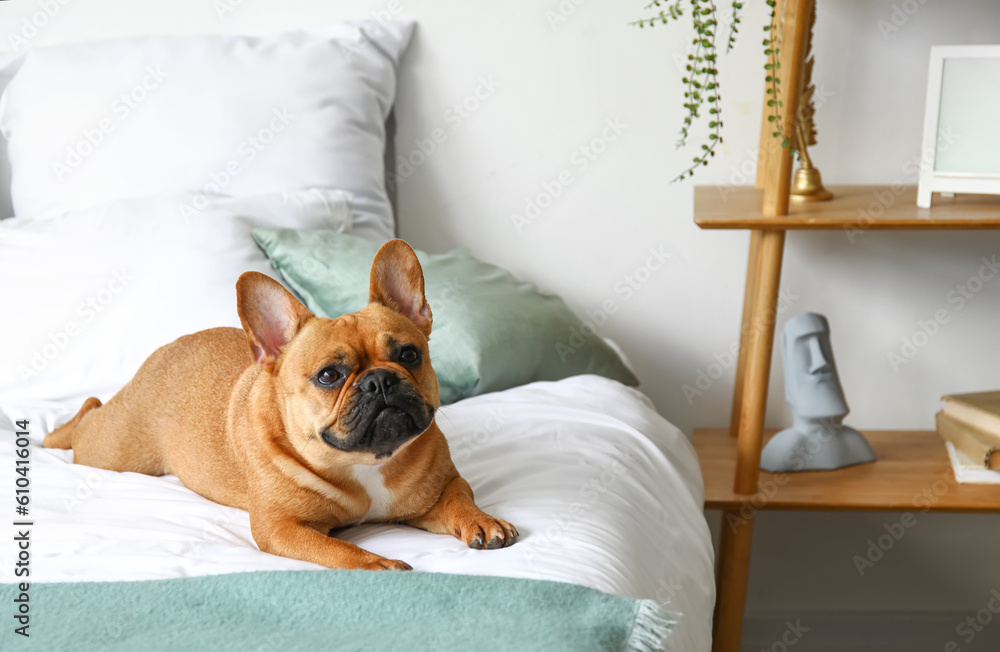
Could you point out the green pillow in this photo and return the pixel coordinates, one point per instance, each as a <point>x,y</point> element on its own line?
<point>491,331</point>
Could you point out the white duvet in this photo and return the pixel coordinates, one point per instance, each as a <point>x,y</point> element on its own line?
<point>604,491</point>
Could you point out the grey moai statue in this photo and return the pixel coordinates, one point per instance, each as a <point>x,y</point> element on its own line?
<point>817,439</point>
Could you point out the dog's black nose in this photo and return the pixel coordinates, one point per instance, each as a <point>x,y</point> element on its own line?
<point>377,380</point>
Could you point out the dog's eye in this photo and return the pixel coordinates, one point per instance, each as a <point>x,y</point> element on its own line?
<point>328,376</point>
<point>409,355</point>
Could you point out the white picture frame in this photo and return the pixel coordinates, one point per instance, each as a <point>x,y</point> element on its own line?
<point>961,143</point>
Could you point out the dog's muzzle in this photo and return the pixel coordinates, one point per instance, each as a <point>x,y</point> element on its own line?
<point>384,413</point>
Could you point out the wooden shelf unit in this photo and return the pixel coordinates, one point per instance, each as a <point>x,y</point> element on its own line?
<point>910,462</point>
<point>912,474</point>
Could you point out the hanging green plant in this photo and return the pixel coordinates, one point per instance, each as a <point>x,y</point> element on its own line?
<point>701,78</point>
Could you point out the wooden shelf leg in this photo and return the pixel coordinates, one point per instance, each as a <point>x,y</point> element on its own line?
<point>731,580</point>
<point>741,363</point>
<point>757,365</point>
<point>795,34</point>
<point>756,345</point>
<point>760,306</point>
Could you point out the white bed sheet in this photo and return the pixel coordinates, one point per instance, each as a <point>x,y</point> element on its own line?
<point>604,491</point>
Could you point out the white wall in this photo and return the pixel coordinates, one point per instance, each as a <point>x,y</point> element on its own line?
<point>556,86</point>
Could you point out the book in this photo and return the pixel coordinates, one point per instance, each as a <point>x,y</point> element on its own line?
<point>976,445</point>
<point>980,410</point>
<point>968,471</point>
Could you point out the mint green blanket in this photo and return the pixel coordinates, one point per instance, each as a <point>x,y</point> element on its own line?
<point>332,611</point>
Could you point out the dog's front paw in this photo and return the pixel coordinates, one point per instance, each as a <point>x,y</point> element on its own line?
<point>381,563</point>
<point>487,532</point>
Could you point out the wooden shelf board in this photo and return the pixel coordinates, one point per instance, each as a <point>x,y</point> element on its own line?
<point>852,207</point>
<point>912,474</point>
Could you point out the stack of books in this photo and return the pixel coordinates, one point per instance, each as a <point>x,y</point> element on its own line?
<point>970,426</point>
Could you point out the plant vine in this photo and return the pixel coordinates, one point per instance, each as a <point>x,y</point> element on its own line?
<point>701,81</point>
<point>734,26</point>
<point>772,79</point>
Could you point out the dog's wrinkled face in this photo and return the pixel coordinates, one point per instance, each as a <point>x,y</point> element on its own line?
<point>355,389</point>
<point>361,385</point>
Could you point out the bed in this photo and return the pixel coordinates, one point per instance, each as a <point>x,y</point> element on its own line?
<point>606,493</point>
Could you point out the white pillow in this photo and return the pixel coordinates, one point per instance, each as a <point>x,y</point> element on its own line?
<point>89,123</point>
<point>89,295</point>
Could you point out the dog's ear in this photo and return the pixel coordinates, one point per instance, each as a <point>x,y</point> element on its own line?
<point>270,315</point>
<point>397,282</point>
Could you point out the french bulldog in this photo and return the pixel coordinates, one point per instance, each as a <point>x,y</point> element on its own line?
<point>307,423</point>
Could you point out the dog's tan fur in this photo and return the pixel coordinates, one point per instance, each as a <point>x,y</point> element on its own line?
<point>247,431</point>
